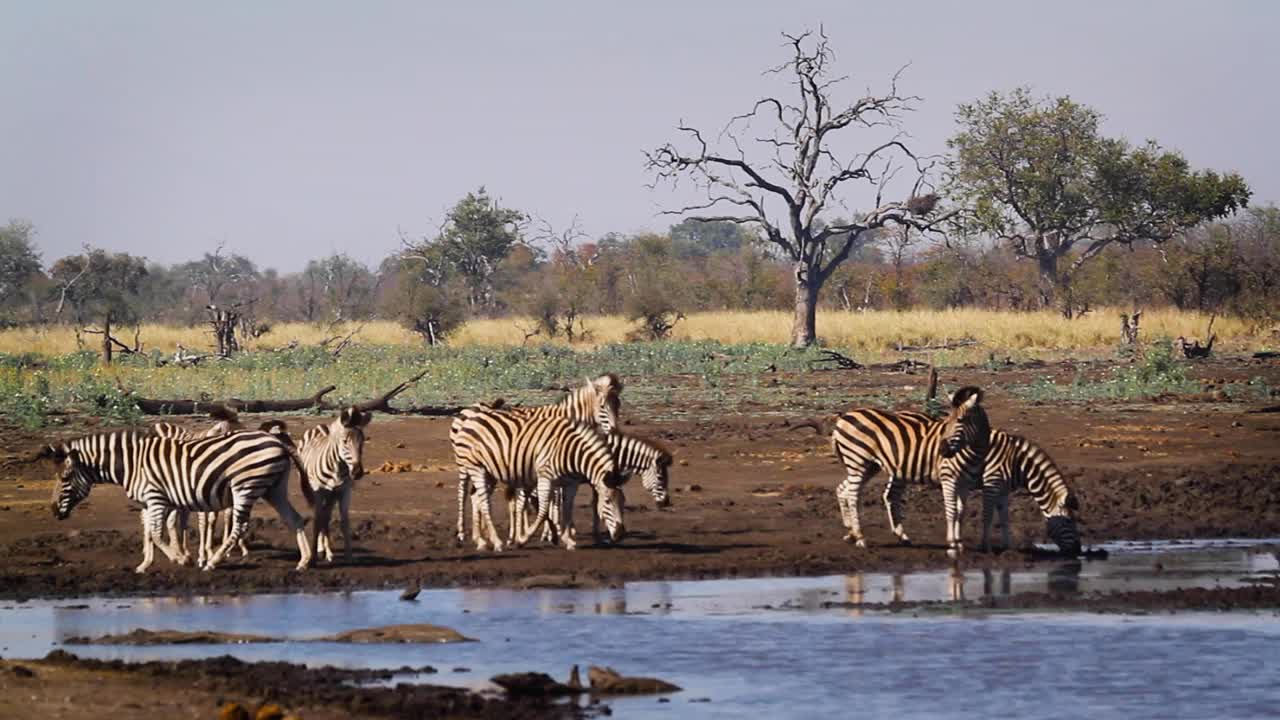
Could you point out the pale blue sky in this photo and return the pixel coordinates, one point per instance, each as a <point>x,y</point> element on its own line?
<point>289,130</point>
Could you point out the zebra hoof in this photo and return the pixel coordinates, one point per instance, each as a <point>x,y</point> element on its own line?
<point>302,565</point>
<point>140,569</point>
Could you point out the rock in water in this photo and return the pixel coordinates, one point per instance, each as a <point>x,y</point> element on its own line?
<point>532,684</point>
<point>574,680</point>
<point>610,681</point>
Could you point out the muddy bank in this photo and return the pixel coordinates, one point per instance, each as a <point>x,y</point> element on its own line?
<point>751,496</point>
<point>417,633</point>
<point>198,688</point>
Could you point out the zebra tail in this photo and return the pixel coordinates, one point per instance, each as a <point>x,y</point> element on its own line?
<point>304,481</point>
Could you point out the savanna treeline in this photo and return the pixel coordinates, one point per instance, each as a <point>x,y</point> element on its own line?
<point>1033,207</point>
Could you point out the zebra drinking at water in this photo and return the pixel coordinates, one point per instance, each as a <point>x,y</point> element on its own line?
<point>334,456</point>
<point>164,474</point>
<point>596,403</point>
<point>1015,463</point>
<point>911,447</point>
<point>527,451</point>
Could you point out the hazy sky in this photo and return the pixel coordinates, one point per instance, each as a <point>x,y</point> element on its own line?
<point>288,130</point>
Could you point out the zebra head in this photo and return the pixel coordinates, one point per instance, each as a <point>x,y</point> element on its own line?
<point>603,396</point>
<point>1062,528</point>
<point>966,426</point>
<point>609,504</point>
<point>75,478</point>
<point>656,478</point>
<point>347,433</point>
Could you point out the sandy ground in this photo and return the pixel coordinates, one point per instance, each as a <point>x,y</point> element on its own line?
<point>752,496</point>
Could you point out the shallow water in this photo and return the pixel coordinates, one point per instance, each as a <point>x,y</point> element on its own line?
<point>716,640</point>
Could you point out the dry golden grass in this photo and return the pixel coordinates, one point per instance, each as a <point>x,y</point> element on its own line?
<point>863,333</point>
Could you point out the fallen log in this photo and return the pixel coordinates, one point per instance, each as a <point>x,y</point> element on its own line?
<point>836,361</point>
<point>1269,409</point>
<point>152,406</point>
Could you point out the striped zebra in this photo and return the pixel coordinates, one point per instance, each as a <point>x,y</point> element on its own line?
<point>596,403</point>
<point>634,455</point>
<point>911,447</point>
<point>1015,463</point>
<point>165,474</point>
<point>334,456</point>
<point>228,421</point>
<point>527,451</point>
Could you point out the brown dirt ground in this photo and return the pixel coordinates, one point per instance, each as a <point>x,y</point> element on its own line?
<point>1198,466</point>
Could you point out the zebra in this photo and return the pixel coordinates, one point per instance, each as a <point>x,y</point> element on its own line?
<point>912,447</point>
<point>165,474</point>
<point>228,421</point>
<point>333,454</point>
<point>634,455</point>
<point>521,449</point>
<point>1015,463</point>
<point>596,403</point>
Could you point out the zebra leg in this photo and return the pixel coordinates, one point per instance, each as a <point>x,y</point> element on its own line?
<point>989,501</point>
<point>278,496</point>
<point>847,497</point>
<point>1002,506</point>
<point>204,537</point>
<point>545,481</point>
<point>481,498</point>
<point>893,503</point>
<point>949,501</point>
<point>515,512</point>
<point>243,543</point>
<point>320,523</point>
<point>344,507</point>
<point>148,547</point>
<point>564,523</point>
<point>462,509</point>
<point>478,528</point>
<point>155,515</point>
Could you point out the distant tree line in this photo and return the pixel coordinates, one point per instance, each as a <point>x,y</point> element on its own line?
<point>1033,208</point>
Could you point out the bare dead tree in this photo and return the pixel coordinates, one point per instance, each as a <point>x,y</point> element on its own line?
<point>224,322</point>
<point>795,176</point>
<point>66,286</point>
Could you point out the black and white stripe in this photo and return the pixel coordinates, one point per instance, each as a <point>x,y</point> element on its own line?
<point>227,422</point>
<point>534,453</point>
<point>199,476</point>
<point>334,458</point>
<point>634,456</point>
<point>911,448</point>
<point>1015,463</point>
<point>597,403</point>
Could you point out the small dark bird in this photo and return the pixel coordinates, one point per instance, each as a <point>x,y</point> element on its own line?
<point>411,593</point>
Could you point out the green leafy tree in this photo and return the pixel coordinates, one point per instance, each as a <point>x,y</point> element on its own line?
<point>778,168</point>
<point>477,235</point>
<point>19,264</point>
<point>1038,174</point>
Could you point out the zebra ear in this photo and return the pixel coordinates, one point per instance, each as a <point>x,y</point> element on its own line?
<point>349,417</point>
<point>967,396</point>
<point>364,418</point>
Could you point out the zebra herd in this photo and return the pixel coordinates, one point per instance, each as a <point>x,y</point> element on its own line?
<point>539,457</point>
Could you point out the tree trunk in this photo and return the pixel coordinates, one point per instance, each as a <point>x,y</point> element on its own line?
<point>106,340</point>
<point>804,327</point>
<point>1050,281</point>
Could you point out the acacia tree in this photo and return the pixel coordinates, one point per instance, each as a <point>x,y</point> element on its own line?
<point>1038,175</point>
<point>795,173</point>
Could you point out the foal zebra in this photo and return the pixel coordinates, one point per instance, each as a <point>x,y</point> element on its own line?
<point>1015,463</point>
<point>334,456</point>
<point>912,447</point>
<point>597,403</point>
<point>202,475</point>
<point>634,456</point>
<point>526,451</point>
